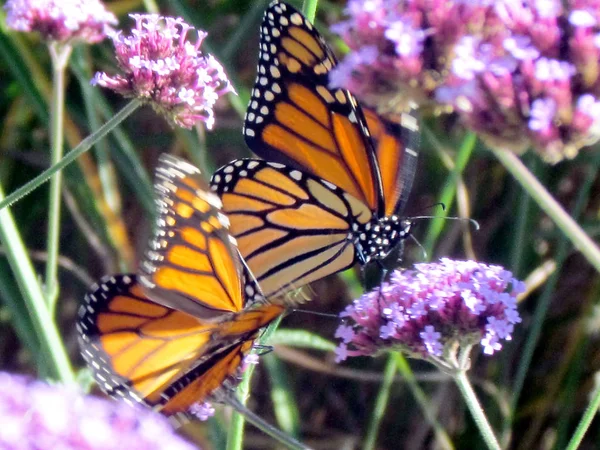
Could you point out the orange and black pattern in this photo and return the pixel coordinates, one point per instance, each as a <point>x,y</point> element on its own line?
<point>294,118</point>
<point>291,227</point>
<point>192,262</point>
<point>331,193</point>
<point>148,353</point>
<point>179,330</point>
<point>395,140</point>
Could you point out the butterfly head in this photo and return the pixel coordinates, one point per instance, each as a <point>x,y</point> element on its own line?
<point>381,236</point>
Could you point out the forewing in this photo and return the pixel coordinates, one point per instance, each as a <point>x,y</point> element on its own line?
<point>295,119</point>
<point>192,264</point>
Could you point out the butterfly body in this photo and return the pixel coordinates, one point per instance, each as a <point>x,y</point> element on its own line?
<point>336,178</point>
<point>379,237</point>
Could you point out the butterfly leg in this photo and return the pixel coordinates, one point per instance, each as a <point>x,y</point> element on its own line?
<point>262,349</point>
<point>383,273</point>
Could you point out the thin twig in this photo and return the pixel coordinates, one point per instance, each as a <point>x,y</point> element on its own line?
<point>88,233</point>
<point>63,261</point>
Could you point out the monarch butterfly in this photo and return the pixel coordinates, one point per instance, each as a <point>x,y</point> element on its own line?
<point>338,177</point>
<point>178,331</point>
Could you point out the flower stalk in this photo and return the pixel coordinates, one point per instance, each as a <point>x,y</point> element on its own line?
<point>60,57</point>
<point>235,436</point>
<point>52,345</point>
<point>590,413</point>
<point>81,148</point>
<point>550,206</point>
<point>443,440</point>
<point>309,9</point>
<point>381,402</point>
<point>448,194</point>
<point>243,414</point>
<point>462,381</point>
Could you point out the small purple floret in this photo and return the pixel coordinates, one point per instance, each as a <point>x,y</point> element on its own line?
<point>203,411</point>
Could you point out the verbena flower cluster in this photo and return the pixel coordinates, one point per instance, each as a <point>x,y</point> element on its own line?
<point>35,415</point>
<point>165,69</point>
<point>61,20</point>
<point>519,73</point>
<point>427,311</point>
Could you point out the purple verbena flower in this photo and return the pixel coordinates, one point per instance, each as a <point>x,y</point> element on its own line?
<point>250,359</point>
<point>514,71</point>
<point>203,411</point>
<point>164,68</point>
<point>37,415</point>
<point>61,20</point>
<point>427,311</point>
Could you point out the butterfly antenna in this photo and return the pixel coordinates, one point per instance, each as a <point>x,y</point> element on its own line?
<point>433,205</point>
<point>315,313</point>
<point>262,349</point>
<point>258,422</point>
<point>465,219</point>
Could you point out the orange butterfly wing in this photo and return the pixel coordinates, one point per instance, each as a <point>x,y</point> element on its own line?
<point>192,264</point>
<point>396,140</point>
<point>145,352</point>
<point>136,347</point>
<point>291,227</point>
<point>172,335</point>
<point>295,119</point>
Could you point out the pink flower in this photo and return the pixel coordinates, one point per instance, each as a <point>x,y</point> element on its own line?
<point>61,20</point>
<point>164,68</point>
<point>425,312</point>
<point>37,415</point>
<point>515,72</point>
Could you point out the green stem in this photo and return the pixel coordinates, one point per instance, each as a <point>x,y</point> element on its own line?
<point>60,57</point>
<point>449,191</point>
<point>259,423</point>
<point>380,403</point>
<point>309,9</point>
<point>201,156</point>
<point>83,146</point>
<point>586,421</point>
<point>543,302</point>
<point>235,436</point>
<point>550,206</point>
<point>440,433</point>
<point>50,340</point>
<point>81,65</point>
<point>151,6</point>
<point>521,228</point>
<point>460,377</point>
<point>285,405</point>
